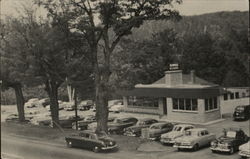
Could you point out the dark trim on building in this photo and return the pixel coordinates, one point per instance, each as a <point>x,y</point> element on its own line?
<point>173,92</point>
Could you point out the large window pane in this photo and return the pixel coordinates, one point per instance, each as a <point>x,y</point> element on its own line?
<point>206,104</point>
<point>211,103</point>
<point>181,104</point>
<point>188,104</point>
<point>215,103</point>
<point>175,103</point>
<point>194,104</point>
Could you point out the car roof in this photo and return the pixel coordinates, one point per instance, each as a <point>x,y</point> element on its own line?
<point>159,124</point>
<point>184,125</point>
<point>146,119</point>
<point>197,129</point>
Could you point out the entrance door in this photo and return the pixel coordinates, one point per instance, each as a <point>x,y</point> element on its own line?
<point>164,106</point>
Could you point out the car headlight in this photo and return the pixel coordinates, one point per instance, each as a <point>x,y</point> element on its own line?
<point>213,143</point>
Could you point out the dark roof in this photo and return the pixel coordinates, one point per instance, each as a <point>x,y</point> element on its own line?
<point>174,92</point>
<point>186,79</point>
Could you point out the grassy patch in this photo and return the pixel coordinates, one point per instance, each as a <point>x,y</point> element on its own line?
<point>125,143</point>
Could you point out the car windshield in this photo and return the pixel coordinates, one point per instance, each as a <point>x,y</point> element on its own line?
<point>177,128</point>
<point>118,121</point>
<point>101,135</point>
<point>240,108</point>
<point>140,123</point>
<point>231,134</point>
<point>191,133</point>
<point>155,127</point>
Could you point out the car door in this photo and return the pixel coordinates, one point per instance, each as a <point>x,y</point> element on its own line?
<point>83,141</point>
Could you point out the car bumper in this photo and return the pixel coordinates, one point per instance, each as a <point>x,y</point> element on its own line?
<point>109,147</point>
<point>244,154</point>
<point>183,147</point>
<point>167,141</point>
<point>220,149</point>
<point>129,134</point>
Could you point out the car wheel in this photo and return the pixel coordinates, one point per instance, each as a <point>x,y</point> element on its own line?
<point>196,147</point>
<point>213,151</point>
<point>178,149</point>
<point>96,149</point>
<point>69,144</point>
<point>231,150</point>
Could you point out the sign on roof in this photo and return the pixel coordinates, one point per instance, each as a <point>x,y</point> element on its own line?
<point>174,66</point>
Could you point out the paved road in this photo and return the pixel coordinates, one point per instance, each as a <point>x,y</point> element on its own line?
<point>17,147</point>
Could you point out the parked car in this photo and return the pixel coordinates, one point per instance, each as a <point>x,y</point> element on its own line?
<point>136,129</point>
<point>31,103</point>
<point>69,106</point>
<point>43,102</point>
<point>242,112</point>
<point>155,130</point>
<point>92,126</point>
<point>116,108</point>
<point>85,105</point>
<point>115,102</point>
<point>91,140</point>
<point>83,125</point>
<point>119,124</point>
<point>178,131</point>
<point>229,141</point>
<point>194,139</point>
<point>11,117</point>
<point>245,150</point>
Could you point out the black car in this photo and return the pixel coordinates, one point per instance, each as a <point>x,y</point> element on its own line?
<point>136,129</point>
<point>230,141</point>
<point>91,140</point>
<point>242,112</point>
<point>119,124</point>
<point>83,125</point>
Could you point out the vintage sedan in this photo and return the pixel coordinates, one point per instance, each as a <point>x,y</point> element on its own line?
<point>136,129</point>
<point>119,124</point>
<point>194,139</point>
<point>155,130</point>
<point>245,150</point>
<point>91,140</point>
<point>83,125</point>
<point>178,131</point>
<point>229,141</point>
<point>242,112</point>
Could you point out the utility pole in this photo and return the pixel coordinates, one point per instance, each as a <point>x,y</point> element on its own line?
<point>76,109</point>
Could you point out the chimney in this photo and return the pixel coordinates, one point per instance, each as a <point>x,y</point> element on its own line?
<point>192,74</point>
<point>173,76</point>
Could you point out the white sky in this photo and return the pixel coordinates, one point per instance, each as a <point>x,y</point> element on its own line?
<point>188,7</point>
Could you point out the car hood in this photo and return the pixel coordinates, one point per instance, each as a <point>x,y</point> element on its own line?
<point>245,147</point>
<point>186,139</point>
<point>225,140</point>
<point>107,140</point>
<point>136,127</point>
<point>154,131</point>
<point>172,134</point>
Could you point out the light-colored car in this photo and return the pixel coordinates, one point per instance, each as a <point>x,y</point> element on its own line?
<point>194,139</point>
<point>33,102</point>
<point>69,106</point>
<point>178,131</point>
<point>245,150</point>
<point>116,108</point>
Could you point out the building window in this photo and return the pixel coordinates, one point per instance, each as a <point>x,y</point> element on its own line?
<point>143,102</point>
<point>237,95</point>
<point>185,104</point>
<point>211,103</point>
<point>231,95</point>
<point>225,96</point>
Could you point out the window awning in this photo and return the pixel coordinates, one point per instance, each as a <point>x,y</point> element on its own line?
<point>173,92</point>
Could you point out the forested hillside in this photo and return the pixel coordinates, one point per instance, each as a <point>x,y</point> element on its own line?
<point>214,45</point>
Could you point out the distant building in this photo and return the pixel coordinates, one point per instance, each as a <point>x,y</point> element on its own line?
<point>176,97</point>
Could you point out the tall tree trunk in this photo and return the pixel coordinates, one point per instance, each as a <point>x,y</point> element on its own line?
<point>19,102</point>
<point>52,90</point>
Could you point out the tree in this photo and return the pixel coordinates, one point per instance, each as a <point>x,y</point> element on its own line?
<point>14,63</point>
<point>95,20</point>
